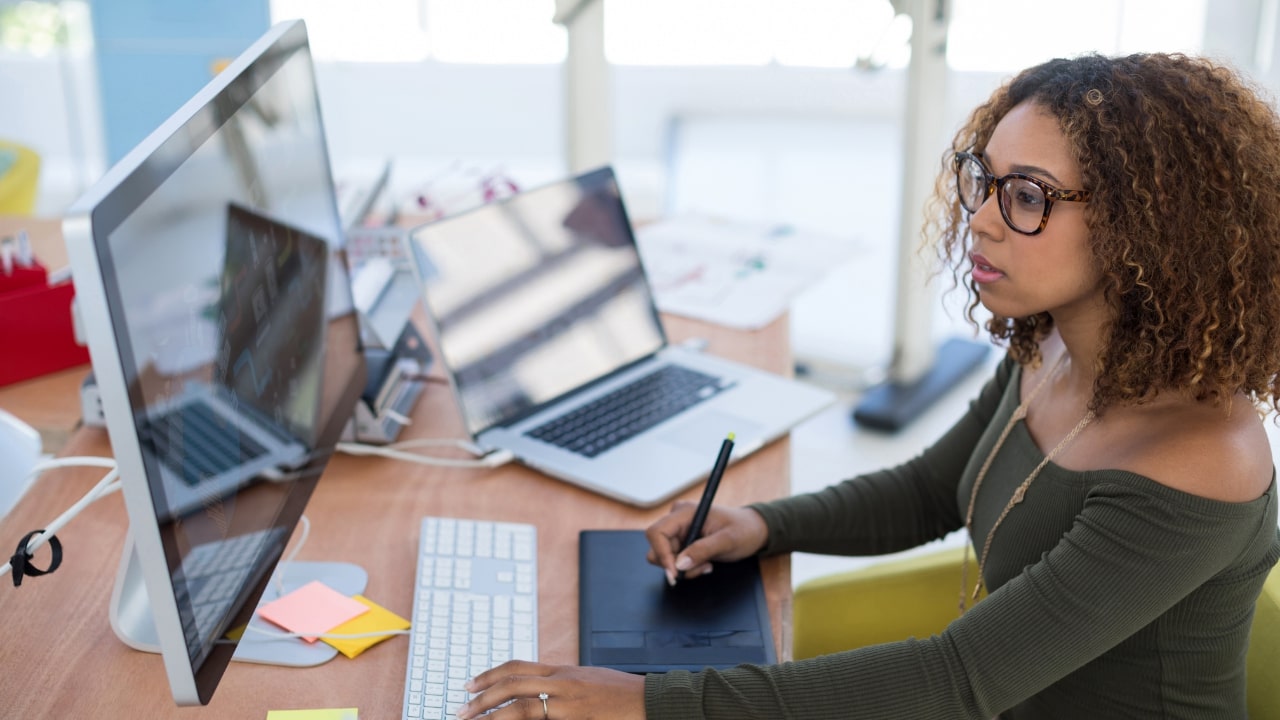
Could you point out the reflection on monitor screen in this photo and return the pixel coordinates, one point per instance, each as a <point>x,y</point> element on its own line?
<point>209,273</point>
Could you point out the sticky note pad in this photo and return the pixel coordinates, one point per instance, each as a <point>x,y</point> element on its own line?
<point>312,609</point>
<point>378,619</point>
<point>326,714</point>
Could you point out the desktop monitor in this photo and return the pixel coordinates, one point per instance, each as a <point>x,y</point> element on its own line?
<point>212,287</point>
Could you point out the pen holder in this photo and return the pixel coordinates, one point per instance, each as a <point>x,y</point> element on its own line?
<point>36,325</point>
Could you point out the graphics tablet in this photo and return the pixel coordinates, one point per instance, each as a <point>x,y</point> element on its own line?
<point>631,620</point>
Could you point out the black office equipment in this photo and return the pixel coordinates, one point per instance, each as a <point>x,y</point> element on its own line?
<point>891,406</point>
<point>631,620</point>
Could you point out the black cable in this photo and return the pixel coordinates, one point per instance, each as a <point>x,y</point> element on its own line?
<point>21,559</point>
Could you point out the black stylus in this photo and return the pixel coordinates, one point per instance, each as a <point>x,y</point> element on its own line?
<point>708,494</point>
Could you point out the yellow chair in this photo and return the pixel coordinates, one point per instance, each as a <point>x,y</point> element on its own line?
<point>917,597</point>
<point>19,173</point>
<point>894,600</point>
<point>1264,653</point>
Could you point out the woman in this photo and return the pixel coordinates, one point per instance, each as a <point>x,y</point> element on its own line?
<point>1120,220</point>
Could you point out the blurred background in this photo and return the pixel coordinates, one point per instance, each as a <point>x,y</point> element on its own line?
<point>785,113</point>
<point>776,111</point>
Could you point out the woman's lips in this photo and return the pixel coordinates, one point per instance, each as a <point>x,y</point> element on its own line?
<point>983,270</point>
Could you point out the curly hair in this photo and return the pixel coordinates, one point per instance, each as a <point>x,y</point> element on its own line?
<point>1182,157</point>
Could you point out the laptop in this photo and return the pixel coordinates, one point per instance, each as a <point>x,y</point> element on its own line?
<point>546,323</point>
<point>215,434</point>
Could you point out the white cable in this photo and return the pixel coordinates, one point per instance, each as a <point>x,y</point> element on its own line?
<point>434,442</point>
<point>459,443</point>
<point>331,636</point>
<point>305,523</point>
<point>85,461</point>
<point>490,461</point>
<point>402,419</point>
<point>107,485</point>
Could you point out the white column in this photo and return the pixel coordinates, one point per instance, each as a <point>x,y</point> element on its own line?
<point>923,130</point>
<point>588,87</point>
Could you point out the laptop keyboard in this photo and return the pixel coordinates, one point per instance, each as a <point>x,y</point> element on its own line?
<point>628,411</point>
<point>475,606</point>
<point>212,573</point>
<point>198,443</point>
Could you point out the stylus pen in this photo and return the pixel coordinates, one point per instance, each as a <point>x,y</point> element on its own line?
<point>708,494</point>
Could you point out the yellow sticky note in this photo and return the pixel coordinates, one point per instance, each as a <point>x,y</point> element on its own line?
<point>377,619</point>
<point>326,714</point>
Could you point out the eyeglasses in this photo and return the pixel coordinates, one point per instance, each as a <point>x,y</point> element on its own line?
<point>1025,202</point>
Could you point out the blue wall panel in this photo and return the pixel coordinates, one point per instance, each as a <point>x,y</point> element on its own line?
<point>153,55</point>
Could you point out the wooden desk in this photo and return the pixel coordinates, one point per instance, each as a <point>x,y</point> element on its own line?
<point>60,658</point>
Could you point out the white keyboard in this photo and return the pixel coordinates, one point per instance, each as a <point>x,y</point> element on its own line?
<point>475,606</point>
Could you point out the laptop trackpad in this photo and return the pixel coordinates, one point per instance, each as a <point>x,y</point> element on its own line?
<point>703,432</point>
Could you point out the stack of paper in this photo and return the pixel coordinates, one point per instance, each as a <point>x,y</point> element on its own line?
<point>734,274</point>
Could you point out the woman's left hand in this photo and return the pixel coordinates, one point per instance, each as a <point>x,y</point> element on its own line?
<point>554,692</point>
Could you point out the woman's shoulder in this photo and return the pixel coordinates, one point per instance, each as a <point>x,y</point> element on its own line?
<point>1220,452</point>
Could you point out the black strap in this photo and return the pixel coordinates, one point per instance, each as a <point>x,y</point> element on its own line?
<point>21,559</point>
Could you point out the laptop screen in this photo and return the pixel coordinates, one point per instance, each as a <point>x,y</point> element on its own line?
<point>271,320</point>
<point>536,295</point>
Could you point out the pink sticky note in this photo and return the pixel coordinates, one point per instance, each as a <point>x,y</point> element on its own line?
<point>314,608</point>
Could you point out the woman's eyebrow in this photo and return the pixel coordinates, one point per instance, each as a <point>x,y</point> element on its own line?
<point>1037,172</point>
<point>1034,170</point>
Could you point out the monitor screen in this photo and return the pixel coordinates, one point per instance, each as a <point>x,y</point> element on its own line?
<point>210,277</point>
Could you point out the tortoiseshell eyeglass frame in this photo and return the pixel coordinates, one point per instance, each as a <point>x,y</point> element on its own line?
<point>1051,193</point>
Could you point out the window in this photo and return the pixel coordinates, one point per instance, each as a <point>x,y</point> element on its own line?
<point>495,31</point>
<point>1001,36</point>
<point>985,35</point>
<point>457,31</point>
<point>40,28</point>
<point>812,33</point>
<point>386,31</point>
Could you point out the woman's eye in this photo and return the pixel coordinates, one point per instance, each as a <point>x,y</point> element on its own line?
<point>1028,197</point>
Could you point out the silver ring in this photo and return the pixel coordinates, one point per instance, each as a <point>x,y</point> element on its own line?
<point>543,697</point>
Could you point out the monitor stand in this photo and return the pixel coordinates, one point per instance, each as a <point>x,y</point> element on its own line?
<point>131,619</point>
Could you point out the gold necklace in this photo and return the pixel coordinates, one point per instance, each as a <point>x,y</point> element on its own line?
<point>1019,413</point>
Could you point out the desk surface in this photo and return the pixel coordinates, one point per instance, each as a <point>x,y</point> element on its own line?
<point>60,658</point>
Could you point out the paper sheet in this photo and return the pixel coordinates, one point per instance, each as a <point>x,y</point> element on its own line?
<point>321,714</point>
<point>734,274</point>
<point>312,608</point>
<point>378,619</point>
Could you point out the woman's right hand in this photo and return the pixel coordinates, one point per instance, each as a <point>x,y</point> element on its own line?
<point>727,534</point>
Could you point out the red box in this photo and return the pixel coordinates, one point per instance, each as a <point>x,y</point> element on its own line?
<point>36,332</point>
